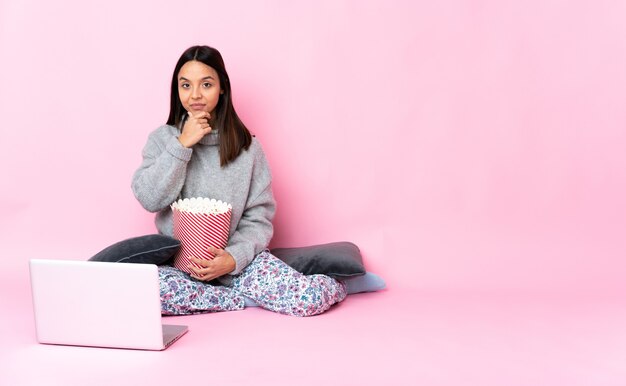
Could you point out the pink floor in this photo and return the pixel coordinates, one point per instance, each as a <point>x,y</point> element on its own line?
<point>399,336</point>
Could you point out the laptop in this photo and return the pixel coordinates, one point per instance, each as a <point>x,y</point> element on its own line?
<point>98,304</point>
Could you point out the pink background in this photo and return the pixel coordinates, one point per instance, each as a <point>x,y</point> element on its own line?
<point>468,146</point>
<point>463,144</point>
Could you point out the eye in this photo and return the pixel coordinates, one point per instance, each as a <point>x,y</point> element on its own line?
<point>206,85</point>
<point>184,85</point>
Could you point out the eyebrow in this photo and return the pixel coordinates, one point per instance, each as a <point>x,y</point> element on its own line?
<point>206,77</point>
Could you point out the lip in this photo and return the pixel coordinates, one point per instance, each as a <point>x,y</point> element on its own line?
<point>197,106</point>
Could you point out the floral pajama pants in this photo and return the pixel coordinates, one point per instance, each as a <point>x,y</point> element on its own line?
<point>267,280</point>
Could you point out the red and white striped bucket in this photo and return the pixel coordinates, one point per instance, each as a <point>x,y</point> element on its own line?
<point>196,231</point>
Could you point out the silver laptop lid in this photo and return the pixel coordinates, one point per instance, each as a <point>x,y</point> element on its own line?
<point>99,304</point>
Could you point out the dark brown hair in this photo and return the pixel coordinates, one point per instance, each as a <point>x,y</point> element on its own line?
<point>234,135</point>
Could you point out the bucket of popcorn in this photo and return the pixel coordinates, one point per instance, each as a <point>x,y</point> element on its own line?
<point>199,223</point>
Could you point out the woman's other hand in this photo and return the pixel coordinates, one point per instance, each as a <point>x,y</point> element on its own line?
<point>196,127</point>
<point>220,265</point>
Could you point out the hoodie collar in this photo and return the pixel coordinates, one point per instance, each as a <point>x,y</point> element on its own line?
<point>211,139</point>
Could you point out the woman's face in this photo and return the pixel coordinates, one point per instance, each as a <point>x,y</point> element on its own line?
<point>198,87</point>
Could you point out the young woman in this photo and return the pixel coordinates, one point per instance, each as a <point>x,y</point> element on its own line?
<point>205,150</point>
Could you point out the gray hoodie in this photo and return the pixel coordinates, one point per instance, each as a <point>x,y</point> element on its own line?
<point>170,171</point>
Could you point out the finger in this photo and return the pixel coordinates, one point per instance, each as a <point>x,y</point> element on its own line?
<point>202,115</point>
<point>198,277</point>
<point>206,278</point>
<point>215,251</point>
<point>202,274</point>
<point>212,249</point>
<point>195,269</point>
<point>201,262</point>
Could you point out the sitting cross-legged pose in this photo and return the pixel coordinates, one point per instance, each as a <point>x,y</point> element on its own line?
<point>205,150</point>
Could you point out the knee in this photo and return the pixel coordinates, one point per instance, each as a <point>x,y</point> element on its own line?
<point>312,301</point>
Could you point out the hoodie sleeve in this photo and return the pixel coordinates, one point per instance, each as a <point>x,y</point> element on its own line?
<point>161,175</point>
<point>254,230</point>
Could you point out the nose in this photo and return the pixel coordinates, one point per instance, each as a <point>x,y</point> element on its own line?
<point>195,93</point>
